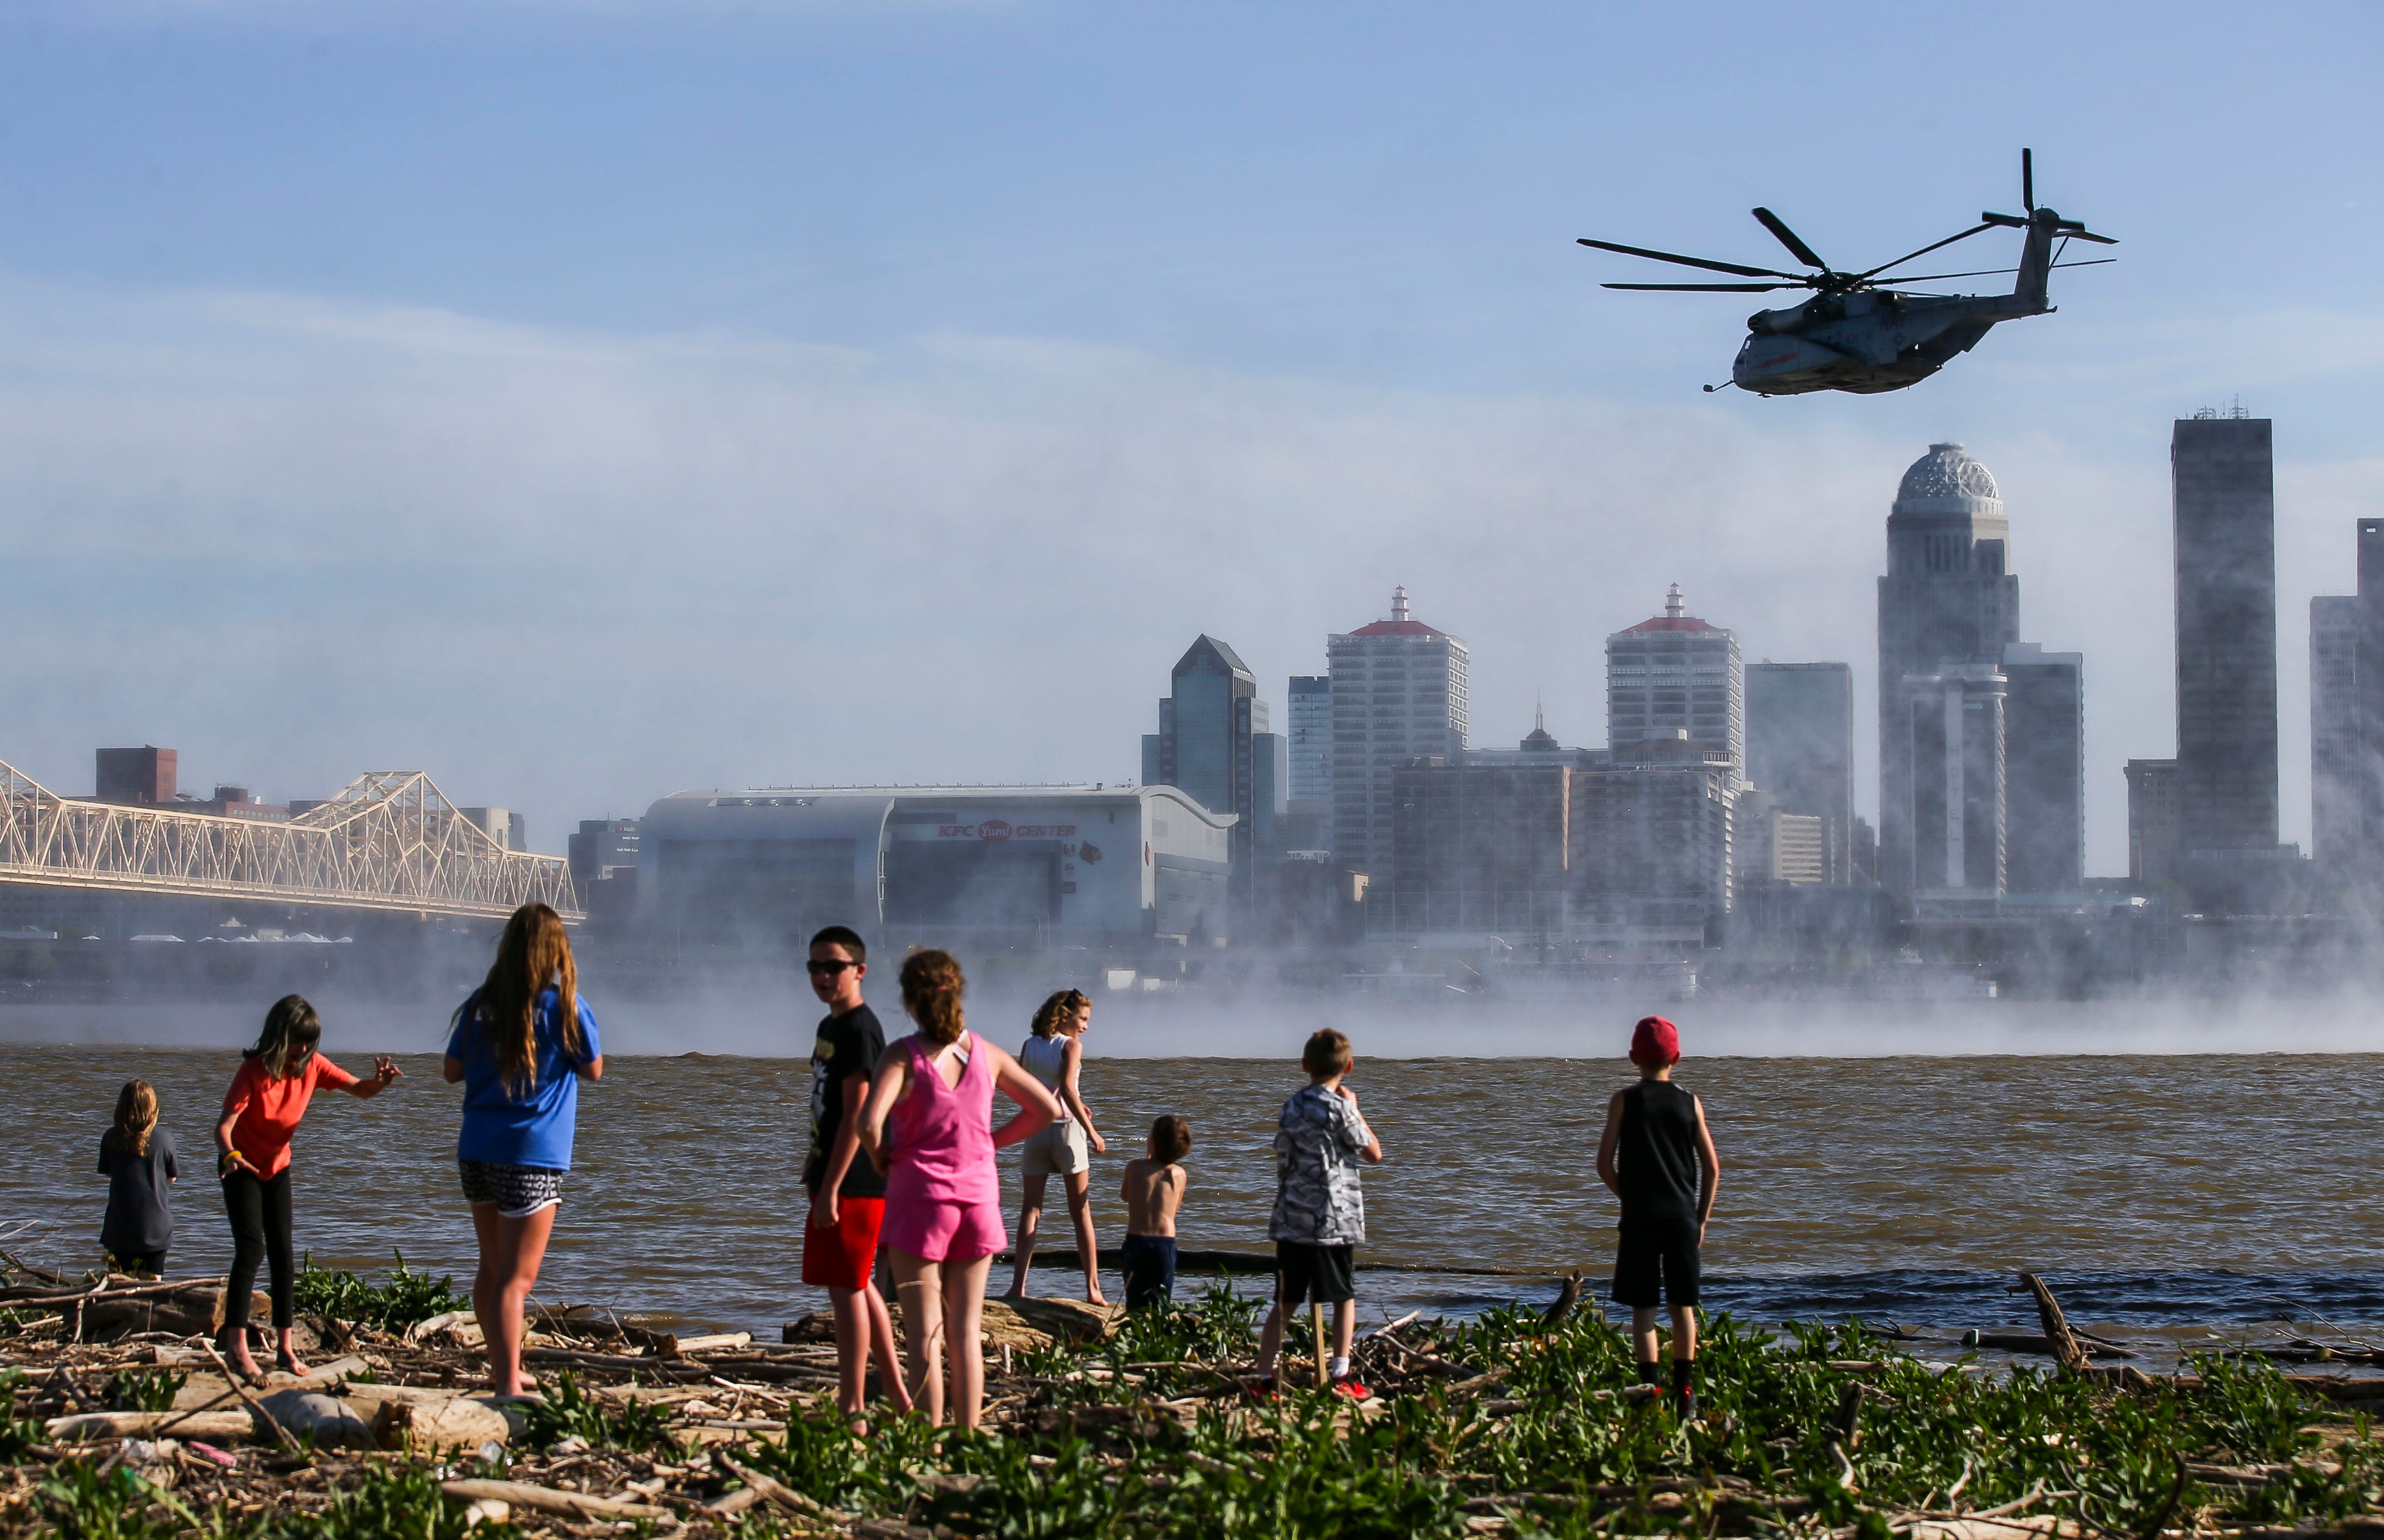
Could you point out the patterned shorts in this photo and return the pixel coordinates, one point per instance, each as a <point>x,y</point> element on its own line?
<point>517,1191</point>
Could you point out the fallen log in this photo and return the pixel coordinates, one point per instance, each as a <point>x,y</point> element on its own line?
<point>22,1298</point>
<point>1262,1264</point>
<point>547,1499</point>
<point>2023,1342</point>
<point>778,1492</point>
<point>231,1426</point>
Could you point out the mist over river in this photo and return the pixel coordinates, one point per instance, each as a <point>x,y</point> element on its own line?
<point>1895,1161</point>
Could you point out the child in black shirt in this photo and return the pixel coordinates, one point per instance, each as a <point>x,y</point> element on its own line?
<point>1657,1156</point>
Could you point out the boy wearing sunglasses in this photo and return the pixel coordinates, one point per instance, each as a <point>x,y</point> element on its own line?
<point>847,1193</point>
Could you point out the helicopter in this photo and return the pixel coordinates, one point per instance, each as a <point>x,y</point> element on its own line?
<point>1861,332</point>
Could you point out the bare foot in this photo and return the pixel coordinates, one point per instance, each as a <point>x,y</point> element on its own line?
<point>286,1362</point>
<point>1016,1291</point>
<point>1093,1296</point>
<point>236,1357</point>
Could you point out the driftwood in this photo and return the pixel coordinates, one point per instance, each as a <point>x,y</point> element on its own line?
<point>39,1298</point>
<point>1568,1300</point>
<point>546,1500</point>
<point>2068,1351</point>
<point>2023,1342</point>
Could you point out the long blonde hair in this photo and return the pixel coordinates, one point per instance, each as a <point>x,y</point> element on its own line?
<point>532,955</point>
<point>932,987</point>
<point>136,1117</point>
<point>290,1031</point>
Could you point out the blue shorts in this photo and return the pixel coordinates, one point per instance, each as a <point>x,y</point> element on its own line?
<point>1149,1268</point>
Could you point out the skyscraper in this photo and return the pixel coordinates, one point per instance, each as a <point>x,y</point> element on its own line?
<point>2347,734</point>
<point>1980,816</point>
<point>2044,770</point>
<point>2152,821</point>
<point>1398,693</point>
<point>1951,726</point>
<point>1947,599</point>
<point>1213,744</point>
<point>1309,710</point>
<point>2223,484</point>
<point>2335,736</point>
<point>1676,672</point>
<point>1800,748</point>
<point>1479,848</point>
<point>1652,843</point>
<point>2367,870</point>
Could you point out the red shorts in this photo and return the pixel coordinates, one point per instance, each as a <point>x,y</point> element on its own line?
<point>844,1257</point>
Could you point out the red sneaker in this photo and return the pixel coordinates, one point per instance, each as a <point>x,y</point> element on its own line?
<point>1260,1388</point>
<point>1351,1389</point>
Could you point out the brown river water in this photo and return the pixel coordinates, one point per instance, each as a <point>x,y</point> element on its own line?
<point>2167,1191</point>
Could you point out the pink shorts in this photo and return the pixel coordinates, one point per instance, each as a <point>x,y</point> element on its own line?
<point>941,1231</point>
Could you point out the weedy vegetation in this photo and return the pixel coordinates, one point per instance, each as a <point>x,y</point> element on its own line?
<point>403,1298</point>
<point>143,1389</point>
<point>568,1411</point>
<point>1506,1425</point>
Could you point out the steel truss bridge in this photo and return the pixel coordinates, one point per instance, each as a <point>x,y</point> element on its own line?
<point>389,842</point>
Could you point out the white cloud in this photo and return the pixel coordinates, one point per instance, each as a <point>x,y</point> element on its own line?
<point>571,571</point>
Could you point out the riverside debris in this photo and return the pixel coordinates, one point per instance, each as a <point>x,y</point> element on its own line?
<point>1099,1424</point>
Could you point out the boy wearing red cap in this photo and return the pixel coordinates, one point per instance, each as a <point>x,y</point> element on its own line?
<point>1657,1156</point>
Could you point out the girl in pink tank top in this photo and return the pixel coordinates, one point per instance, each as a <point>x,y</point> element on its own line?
<point>928,1125</point>
<point>943,1197</point>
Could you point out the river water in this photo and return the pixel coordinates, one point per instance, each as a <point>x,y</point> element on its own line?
<point>2172,1189</point>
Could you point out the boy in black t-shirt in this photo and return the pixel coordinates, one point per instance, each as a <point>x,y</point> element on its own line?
<point>847,1193</point>
<point>1657,1156</point>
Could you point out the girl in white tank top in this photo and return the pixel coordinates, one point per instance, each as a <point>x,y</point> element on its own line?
<point>1064,1149</point>
<point>1047,1059</point>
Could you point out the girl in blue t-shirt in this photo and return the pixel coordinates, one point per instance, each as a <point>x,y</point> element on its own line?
<point>520,1043</point>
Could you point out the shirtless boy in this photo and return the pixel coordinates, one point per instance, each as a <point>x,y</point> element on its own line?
<point>1154,1187</point>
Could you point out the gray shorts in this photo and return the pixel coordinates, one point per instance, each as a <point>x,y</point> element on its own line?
<point>1059,1150</point>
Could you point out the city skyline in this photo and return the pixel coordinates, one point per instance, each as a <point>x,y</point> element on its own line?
<point>579,405</point>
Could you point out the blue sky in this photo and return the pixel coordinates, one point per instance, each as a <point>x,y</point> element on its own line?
<point>583,401</point>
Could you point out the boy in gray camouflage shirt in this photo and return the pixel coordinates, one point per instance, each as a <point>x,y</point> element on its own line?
<point>1320,1215</point>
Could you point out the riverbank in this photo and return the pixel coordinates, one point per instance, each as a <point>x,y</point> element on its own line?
<point>1098,1425</point>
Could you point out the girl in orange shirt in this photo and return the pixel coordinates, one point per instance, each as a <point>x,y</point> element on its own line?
<point>276,1079</point>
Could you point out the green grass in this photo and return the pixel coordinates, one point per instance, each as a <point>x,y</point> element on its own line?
<point>403,1298</point>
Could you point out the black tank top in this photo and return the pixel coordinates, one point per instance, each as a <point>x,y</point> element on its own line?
<point>1656,1155</point>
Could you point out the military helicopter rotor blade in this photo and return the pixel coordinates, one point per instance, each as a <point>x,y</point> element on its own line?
<point>2010,221</point>
<point>1979,272</point>
<point>2083,233</point>
<point>1926,250</point>
<point>2027,180</point>
<point>1706,288</point>
<point>1690,261</point>
<point>1790,238</point>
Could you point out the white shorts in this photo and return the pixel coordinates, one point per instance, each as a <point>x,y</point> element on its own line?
<point>1059,1150</point>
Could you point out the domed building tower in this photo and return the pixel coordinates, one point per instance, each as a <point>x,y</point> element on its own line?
<point>1948,602</point>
